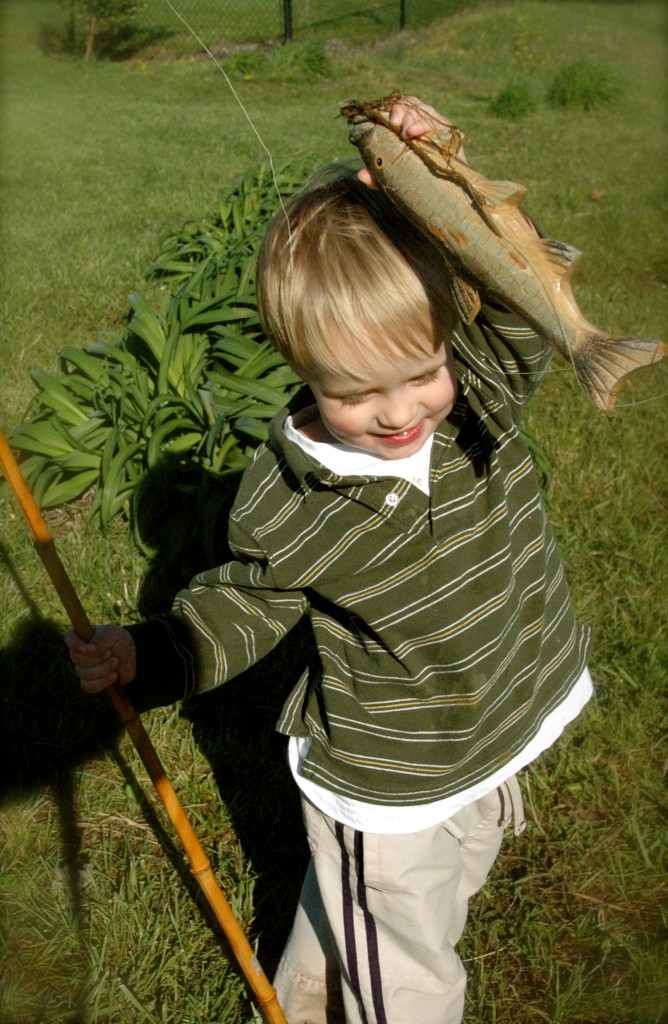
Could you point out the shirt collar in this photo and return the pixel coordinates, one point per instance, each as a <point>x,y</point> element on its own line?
<point>310,472</point>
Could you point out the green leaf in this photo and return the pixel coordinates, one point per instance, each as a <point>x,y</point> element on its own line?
<point>39,438</point>
<point>252,427</point>
<point>116,483</point>
<point>169,430</point>
<point>146,324</point>
<point>55,395</point>
<point>114,353</point>
<point>247,386</point>
<point>87,363</point>
<point>53,489</point>
<point>169,405</point>
<point>76,461</point>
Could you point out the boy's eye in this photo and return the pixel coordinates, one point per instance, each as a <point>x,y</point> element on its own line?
<point>353,399</point>
<point>426,378</point>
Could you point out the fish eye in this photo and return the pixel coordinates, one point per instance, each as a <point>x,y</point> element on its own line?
<point>379,161</point>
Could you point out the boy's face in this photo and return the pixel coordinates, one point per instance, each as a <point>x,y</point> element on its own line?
<point>390,410</point>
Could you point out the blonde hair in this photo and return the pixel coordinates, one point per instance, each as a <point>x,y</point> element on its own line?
<point>341,271</point>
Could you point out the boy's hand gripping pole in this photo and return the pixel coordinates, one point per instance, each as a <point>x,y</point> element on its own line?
<point>257,980</point>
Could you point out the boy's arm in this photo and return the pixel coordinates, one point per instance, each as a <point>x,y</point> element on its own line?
<point>227,620</point>
<point>224,622</point>
<point>501,349</point>
<point>234,616</point>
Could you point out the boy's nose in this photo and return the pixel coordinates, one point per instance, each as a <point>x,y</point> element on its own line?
<point>397,414</point>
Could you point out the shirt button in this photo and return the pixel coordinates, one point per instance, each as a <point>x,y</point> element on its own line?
<point>392,499</point>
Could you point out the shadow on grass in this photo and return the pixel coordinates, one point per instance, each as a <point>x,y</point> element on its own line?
<point>49,728</point>
<point>181,515</point>
<point>47,725</point>
<point>234,728</point>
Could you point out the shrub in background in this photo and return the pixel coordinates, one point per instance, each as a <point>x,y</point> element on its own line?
<point>292,62</point>
<point>584,84</point>
<point>99,28</point>
<point>516,101</point>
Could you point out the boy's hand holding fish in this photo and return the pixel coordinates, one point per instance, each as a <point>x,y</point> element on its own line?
<point>411,118</point>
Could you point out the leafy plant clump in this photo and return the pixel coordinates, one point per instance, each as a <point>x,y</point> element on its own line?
<point>514,102</point>
<point>191,377</point>
<point>293,62</point>
<point>584,84</point>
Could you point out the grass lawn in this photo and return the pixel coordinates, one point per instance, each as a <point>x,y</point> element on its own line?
<point>99,920</point>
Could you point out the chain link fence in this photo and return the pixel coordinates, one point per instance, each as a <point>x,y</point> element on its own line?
<point>174,28</point>
<point>222,24</point>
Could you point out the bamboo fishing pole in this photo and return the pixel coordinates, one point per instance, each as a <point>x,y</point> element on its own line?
<point>200,865</point>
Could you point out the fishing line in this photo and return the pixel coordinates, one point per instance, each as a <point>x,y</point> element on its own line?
<point>641,401</point>
<point>241,105</point>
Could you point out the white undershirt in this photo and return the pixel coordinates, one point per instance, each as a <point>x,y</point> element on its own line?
<point>380,818</point>
<point>386,820</point>
<point>346,461</point>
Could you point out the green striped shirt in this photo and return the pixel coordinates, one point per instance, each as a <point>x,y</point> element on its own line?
<point>443,623</point>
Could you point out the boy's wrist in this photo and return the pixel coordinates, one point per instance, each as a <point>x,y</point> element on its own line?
<point>164,662</point>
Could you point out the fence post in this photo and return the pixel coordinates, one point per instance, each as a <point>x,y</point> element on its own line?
<point>402,15</point>
<point>287,20</point>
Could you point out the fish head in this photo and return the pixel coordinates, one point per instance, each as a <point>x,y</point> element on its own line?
<point>374,110</point>
<point>381,149</point>
<point>353,111</point>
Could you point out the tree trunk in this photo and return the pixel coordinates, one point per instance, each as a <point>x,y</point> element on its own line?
<point>90,36</point>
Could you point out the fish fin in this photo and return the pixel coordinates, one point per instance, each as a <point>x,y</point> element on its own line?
<point>604,363</point>
<point>467,299</point>
<point>497,193</point>
<point>562,255</point>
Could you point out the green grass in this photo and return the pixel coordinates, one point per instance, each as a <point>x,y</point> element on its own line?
<point>99,919</point>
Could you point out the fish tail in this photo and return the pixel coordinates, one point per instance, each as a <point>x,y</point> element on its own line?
<point>604,363</point>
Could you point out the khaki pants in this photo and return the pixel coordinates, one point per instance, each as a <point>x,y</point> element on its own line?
<point>379,916</point>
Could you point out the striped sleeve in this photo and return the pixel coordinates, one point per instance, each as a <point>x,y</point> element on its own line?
<point>500,349</point>
<point>235,613</point>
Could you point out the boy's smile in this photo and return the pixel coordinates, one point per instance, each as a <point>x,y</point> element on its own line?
<point>389,410</point>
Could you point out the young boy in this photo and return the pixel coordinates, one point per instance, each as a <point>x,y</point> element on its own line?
<point>395,503</point>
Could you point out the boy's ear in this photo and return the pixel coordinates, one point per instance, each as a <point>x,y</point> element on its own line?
<point>367,178</point>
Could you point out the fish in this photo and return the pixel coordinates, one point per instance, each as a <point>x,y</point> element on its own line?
<point>491,246</point>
